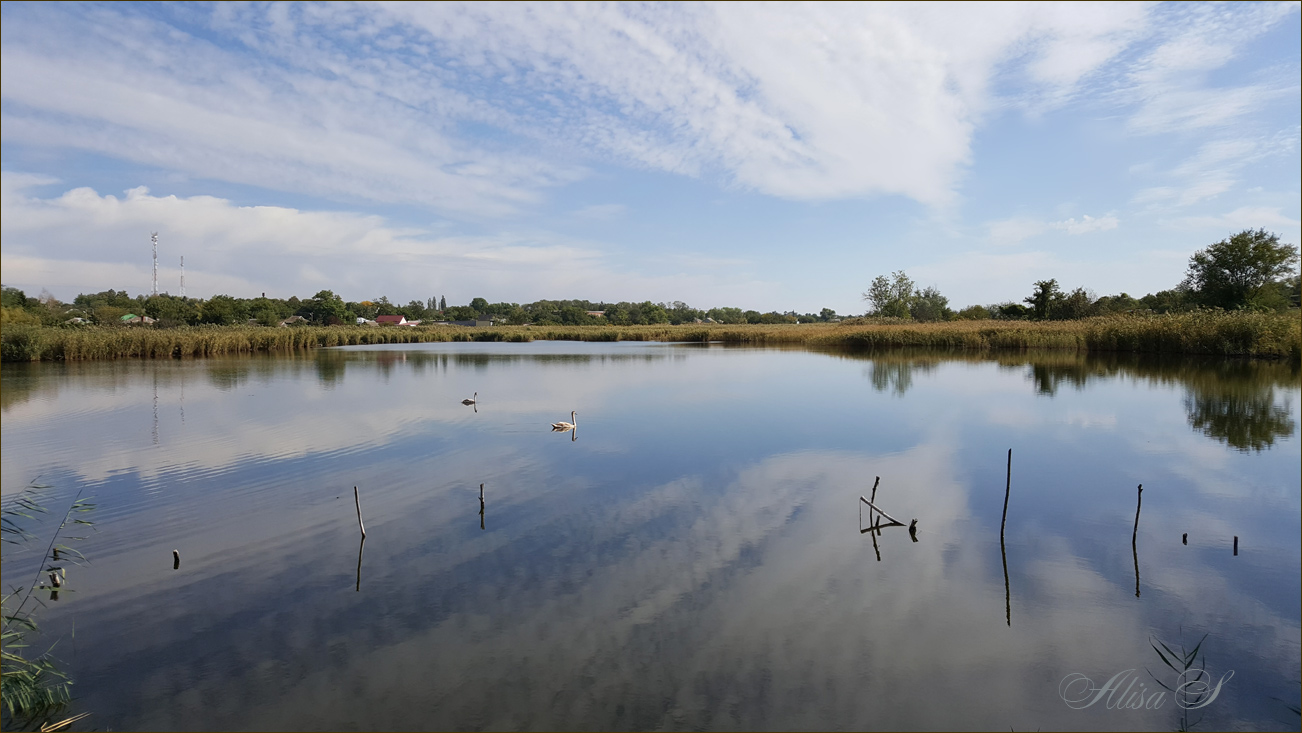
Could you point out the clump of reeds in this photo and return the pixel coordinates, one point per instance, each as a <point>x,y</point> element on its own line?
<point>1207,332</point>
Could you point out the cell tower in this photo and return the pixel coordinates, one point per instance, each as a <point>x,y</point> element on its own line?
<point>153,237</point>
<point>182,276</point>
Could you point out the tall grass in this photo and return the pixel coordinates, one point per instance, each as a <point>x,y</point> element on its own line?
<point>1211,332</point>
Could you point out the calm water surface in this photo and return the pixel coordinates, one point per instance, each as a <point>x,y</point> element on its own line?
<point>690,558</point>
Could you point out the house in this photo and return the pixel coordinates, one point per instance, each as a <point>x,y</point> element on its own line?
<point>596,314</point>
<point>292,320</point>
<point>131,319</point>
<point>391,320</point>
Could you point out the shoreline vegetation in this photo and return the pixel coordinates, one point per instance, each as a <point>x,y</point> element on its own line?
<point>1217,333</point>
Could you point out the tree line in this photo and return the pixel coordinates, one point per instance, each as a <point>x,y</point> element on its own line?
<point>1251,269</point>
<point>327,308</point>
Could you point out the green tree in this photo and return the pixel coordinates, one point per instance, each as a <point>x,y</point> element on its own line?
<point>1116,304</point>
<point>1072,306</point>
<point>973,313</point>
<point>223,310</point>
<point>12,297</point>
<point>1009,312</point>
<point>459,313</point>
<point>726,315</point>
<point>326,308</point>
<point>172,310</point>
<point>929,305</point>
<point>1238,272</point>
<point>1042,300</point>
<point>890,296</point>
<point>1166,301</point>
<point>480,305</point>
<point>826,314</point>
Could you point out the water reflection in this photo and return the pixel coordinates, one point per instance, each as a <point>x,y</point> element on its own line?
<point>687,567</point>
<point>1234,401</point>
<point>896,375</point>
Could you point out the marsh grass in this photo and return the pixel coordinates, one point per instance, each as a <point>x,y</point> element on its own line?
<point>33,687</point>
<point>1217,333</point>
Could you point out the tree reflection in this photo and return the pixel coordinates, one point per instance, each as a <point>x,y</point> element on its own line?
<point>896,375</point>
<point>1235,401</point>
<point>1245,416</point>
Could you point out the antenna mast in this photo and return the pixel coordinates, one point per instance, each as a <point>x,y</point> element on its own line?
<point>153,237</point>
<point>182,276</point>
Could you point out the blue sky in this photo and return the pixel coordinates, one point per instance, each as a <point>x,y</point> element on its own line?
<point>771,156</point>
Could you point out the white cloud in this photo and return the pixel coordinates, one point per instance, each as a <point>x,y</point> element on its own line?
<point>1086,225</point>
<point>372,101</point>
<point>82,241</point>
<point>1216,168</point>
<point>1008,232</point>
<point>1170,85</point>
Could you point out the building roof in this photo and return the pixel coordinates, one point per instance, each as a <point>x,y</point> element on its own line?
<point>390,319</point>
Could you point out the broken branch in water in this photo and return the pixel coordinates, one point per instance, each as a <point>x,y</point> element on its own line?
<point>879,511</point>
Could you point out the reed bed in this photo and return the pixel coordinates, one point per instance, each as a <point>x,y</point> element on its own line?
<point>1267,335</point>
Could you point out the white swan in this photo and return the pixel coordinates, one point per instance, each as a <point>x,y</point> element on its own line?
<point>567,425</point>
<point>472,400</point>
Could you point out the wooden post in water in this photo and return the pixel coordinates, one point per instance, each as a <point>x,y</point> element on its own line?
<point>360,548</point>
<point>481,506</point>
<point>1236,545</point>
<point>1184,540</point>
<point>1008,485</point>
<point>870,514</point>
<point>357,499</point>
<point>1134,548</point>
<point>176,559</point>
<point>1003,551</point>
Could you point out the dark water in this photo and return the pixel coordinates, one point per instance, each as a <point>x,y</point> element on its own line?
<point>689,558</point>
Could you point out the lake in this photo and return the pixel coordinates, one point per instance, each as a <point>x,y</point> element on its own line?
<point>691,556</point>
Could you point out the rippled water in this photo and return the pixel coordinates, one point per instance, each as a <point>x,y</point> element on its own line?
<point>691,557</point>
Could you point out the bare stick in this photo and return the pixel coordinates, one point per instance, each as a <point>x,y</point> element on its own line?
<point>1134,548</point>
<point>176,559</point>
<point>1008,485</point>
<point>1139,503</point>
<point>1236,545</point>
<point>1003,551</point>
<point>358,500</point>
<point>360,548</point>
<point>879,511</point>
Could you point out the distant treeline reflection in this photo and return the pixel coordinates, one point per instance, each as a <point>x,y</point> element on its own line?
<point>1230,400</point>
<point>1234,401</point>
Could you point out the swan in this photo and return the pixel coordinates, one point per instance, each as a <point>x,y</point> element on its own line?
<point>567,425</point>
<point>471,400</point>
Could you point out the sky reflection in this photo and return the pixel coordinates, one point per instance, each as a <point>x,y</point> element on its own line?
<point>690,560</point>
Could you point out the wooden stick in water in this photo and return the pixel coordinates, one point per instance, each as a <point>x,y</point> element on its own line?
<point>879,511</point>
<point>357,499</point>
<point>1139,503</point>
<point>1134,548</point>
<point>1008,485</point>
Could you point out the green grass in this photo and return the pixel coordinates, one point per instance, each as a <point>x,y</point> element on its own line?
<point>1266,335</point>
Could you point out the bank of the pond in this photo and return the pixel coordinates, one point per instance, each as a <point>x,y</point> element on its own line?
<point>1215,333</point>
